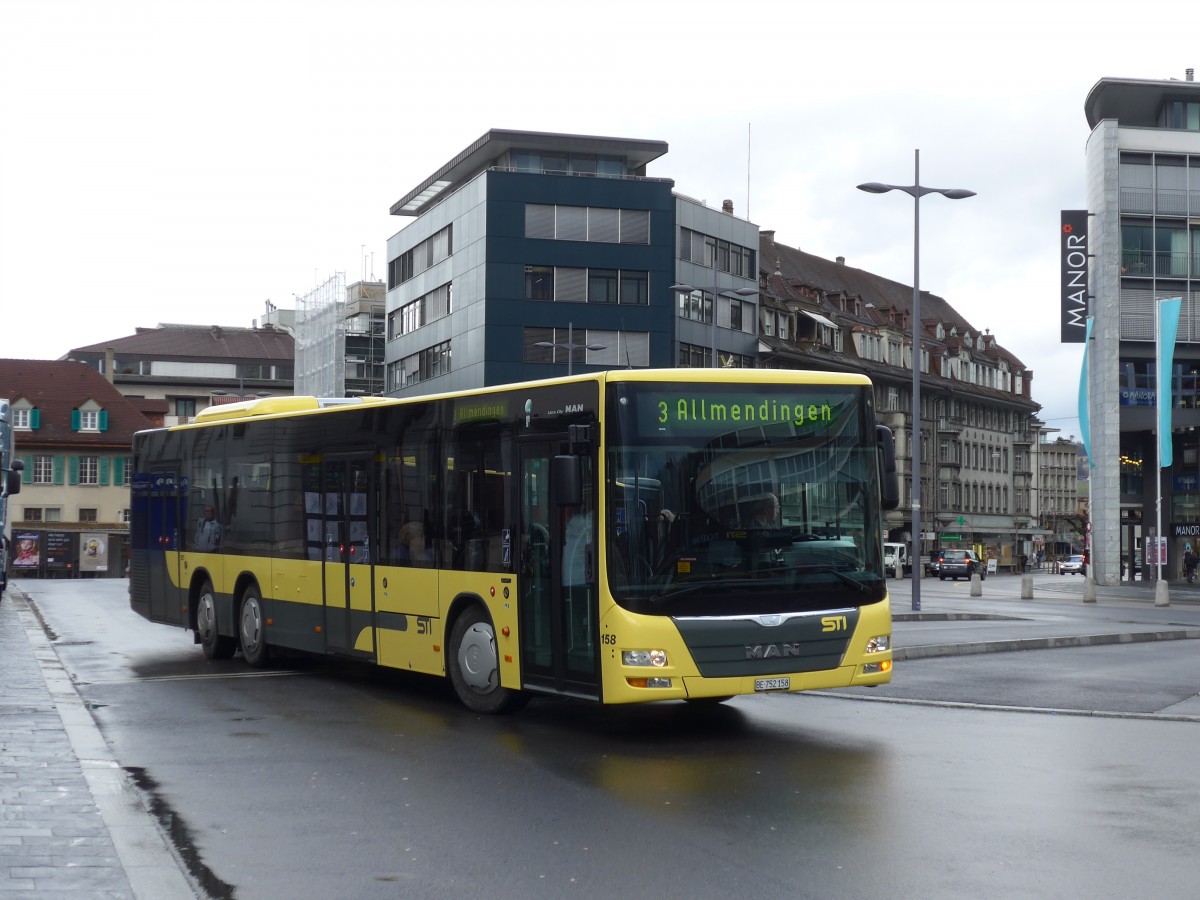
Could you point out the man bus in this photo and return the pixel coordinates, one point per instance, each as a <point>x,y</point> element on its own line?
<point>598,536</point>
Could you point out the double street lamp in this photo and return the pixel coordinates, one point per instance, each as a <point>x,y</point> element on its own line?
<point>570,346</point>
<point>241,392</point>
<point>916,191</point>
<point>716,292</point>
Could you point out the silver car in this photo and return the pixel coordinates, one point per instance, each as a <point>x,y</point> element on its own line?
<point>1072,565</point>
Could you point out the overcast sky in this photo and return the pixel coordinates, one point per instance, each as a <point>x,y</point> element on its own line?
<point>163,162</point>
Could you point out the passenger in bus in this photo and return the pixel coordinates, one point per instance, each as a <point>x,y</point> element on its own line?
<point>413,547</point>
<point>208,532</point>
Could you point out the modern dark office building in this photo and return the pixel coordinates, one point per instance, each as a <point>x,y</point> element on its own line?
<point>536,254</point>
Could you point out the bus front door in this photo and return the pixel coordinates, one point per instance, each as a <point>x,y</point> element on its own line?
<point>349,514</point>
<point>558,599</point>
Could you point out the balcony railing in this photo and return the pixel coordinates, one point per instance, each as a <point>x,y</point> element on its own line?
<point>1162,263</point>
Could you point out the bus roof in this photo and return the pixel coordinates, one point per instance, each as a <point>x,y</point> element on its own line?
<point>283,406</point>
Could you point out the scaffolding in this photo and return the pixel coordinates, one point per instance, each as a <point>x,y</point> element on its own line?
<point>320,338</point>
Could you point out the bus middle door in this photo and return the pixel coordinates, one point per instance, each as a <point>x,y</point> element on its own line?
<point>348,557</point>
<point>558,601</point>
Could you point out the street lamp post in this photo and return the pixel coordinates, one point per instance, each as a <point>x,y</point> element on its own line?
<point>570,346</point>
<point>717,292</point>
<point>916,191</point>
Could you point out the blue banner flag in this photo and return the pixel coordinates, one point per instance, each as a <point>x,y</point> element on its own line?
<point>1168,326</point>
<point>1085,425</point>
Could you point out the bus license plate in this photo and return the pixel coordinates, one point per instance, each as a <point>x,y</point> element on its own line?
<point>772,684</point>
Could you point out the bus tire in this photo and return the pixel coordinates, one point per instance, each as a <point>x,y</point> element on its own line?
<point>474,666</point>
<point>214,644</point>
<point>251,631</point>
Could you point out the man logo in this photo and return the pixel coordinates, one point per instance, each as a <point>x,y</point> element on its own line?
<point>772,651</point>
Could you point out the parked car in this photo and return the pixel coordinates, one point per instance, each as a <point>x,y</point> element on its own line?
<point>1072,565</point>
<point>933,565</point>
<point>958,564</point>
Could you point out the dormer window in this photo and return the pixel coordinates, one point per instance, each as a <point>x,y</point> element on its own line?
<point>90,418</point>
<point>20,419</point>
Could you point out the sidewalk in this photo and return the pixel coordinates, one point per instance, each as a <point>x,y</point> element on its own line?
<point>952,622</point>
<point>71,823</point>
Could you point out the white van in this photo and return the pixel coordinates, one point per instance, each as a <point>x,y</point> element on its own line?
<point>892,553</point>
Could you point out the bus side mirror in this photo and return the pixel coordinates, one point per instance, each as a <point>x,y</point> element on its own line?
<point>890,483</point>
<point>566,474</point>
<point>12,478</point>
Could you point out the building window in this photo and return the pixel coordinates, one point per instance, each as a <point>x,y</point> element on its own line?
<point>89,470</point>
<point>539,282</point>
<point>127,471</point>
<point>21,419</point>
<point>126,516</point>
<point>32,514</point>
<point>696,306</point>
<point>693,356</point>
<point>87,515</point>
<point>89,420</point>
<point>704,250</point>
<point>425,364</point>
<point>43,470</point>
<point>614,348</point>
<point>1180,114</point>
<point>425,309</point>
<point>567,284</point>
<point>185,407</point>
<point>602,285</point>
<point>429,252</point>
<point>635,288</point>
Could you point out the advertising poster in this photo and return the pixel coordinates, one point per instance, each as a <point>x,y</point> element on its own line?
<point>58,551</point>
<point>27,549</point>
<point>93,552</point>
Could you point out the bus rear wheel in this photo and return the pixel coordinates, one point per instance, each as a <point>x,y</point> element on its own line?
<point>214,644</point>
<point>250,629</point>
<point>475,666</point>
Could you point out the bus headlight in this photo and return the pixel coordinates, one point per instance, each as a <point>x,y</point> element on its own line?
<point>656,658</point>
<point>879,643</point>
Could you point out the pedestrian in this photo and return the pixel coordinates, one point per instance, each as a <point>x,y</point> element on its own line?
<point>1189,563</point>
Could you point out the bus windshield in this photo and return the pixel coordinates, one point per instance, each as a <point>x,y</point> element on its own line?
<point>728,500</point>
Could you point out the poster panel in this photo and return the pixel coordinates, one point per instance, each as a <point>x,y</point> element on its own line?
<point>93,552</point>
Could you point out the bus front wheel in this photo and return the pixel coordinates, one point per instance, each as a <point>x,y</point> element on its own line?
<point>475,666</point>
<point>214,644</point>
<point>250,629</point>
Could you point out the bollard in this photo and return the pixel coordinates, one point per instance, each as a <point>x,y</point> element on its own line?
<point>1026,587</point>
<point>1162,596</point>
<point>1089,588</point>
<point>976,585</point>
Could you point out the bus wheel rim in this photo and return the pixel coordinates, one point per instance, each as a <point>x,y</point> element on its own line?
<point>251,625</point>
<point>206,618</point>
<point>477,659</point>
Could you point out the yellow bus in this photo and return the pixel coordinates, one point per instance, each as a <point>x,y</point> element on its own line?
<point>622,536</point>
